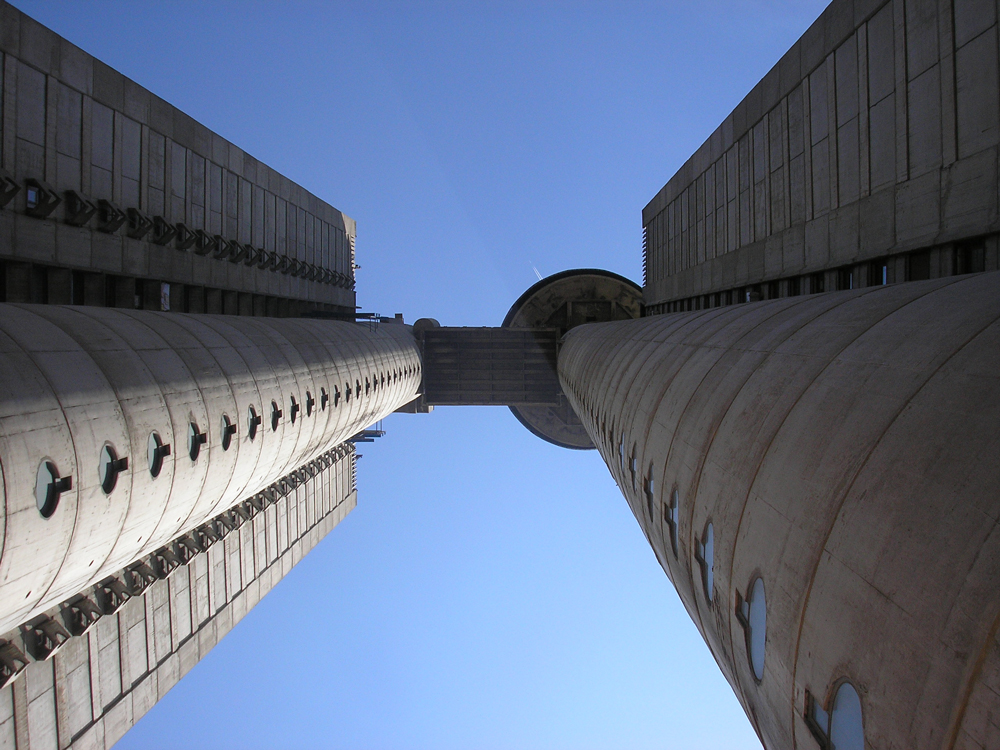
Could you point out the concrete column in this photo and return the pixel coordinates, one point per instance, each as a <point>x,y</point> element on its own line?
<point>844,448</point>
<point>76,382</point>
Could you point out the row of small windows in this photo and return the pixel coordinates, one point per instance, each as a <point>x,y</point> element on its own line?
<point>840,727</point>
<point>968,256</point>
<point>44,635</point>
<point>49,485</point>
<point>41,199</point>
<point>751,611</point>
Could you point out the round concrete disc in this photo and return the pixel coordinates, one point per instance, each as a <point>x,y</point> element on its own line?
<point>564,301</point>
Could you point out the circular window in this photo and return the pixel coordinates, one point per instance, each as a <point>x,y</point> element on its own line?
<point>708,561</point>
<point>196,439</point>
<point>310,402</point>
<point>357,388</point>
<point>347,393</point>
<point>293,410</point>
<point>757,628</point>
<point>155,452</point>
<point>846,726</point>
<point>109,467</point>
<point>275,416</point>
<point>228,430</point>
<point>48,487</point>
<point>324,398</point>
<point>253,422</point>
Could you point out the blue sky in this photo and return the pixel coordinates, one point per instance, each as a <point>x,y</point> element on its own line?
<point>490,590</point>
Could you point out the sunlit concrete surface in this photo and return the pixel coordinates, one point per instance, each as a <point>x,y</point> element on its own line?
<point>241,401</point>
<point>844,449</point>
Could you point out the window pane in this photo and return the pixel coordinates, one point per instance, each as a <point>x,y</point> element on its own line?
<point>846,729</point>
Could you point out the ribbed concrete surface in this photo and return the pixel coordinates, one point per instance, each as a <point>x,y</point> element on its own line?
<point>73,379</point>
<point>846,448</point>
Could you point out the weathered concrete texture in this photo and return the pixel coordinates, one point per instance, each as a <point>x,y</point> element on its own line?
<point>75,381</point>
<point>97,686</point>
<point>875,135</point>
<point>845,449</point>
<point>73,122</point>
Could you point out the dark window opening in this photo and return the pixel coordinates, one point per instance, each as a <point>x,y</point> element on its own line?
<point>109,467</point>
<point>671,515</point>
<point>48,487</point>
<point>156,451</point>
<point>878,273</point>
<point>228,430</point>
<point>196,439</point>
<point>918,266</point>
<point>253,422</point>
<point>650,494</point>
<point>705,555</point>
<point>970,257</point>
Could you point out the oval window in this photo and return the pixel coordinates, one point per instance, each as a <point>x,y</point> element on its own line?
<point>253,421</point>
<point>109,467</point>
<point>48,487</point>
<point>673,514</point>
<point>757,628</point>
<point>707,560</point>
<point>195,440</point>
<point>846,727</point>
<point>155,452</point>
<point>228,430</point>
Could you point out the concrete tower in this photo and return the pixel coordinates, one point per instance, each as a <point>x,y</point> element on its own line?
<point>182,376</point>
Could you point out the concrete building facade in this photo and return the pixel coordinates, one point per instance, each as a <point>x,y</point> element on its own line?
<point>222,436</point>
<point>867,155</point>
<point>114,197</point>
